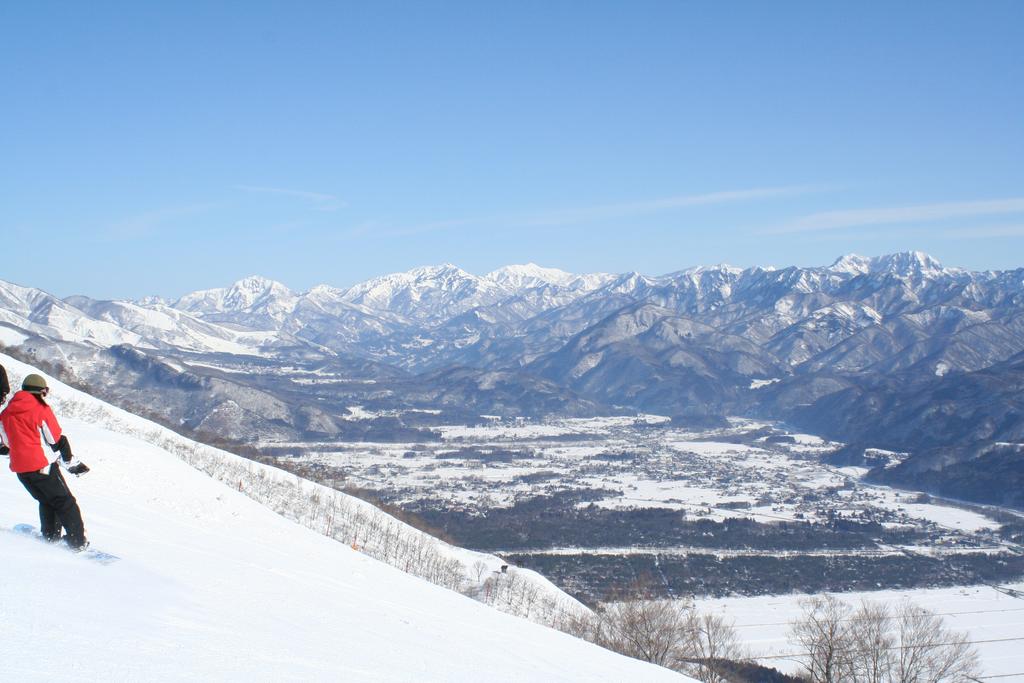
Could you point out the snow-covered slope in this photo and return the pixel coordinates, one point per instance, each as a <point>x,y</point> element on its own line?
<point>165,327</point>
<point>37,312</point>
<point>214,586</point>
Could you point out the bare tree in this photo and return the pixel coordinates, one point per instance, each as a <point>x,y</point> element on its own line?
<point>871,643</point>
<point>585,625</point>
<point>530,595</point>
<point>876,644</point>
<point>510,585</point>
<point>823,634</point>
<point>928,651</point>
<point>652,630</point>
<point>710,640</point>
<point>479,569</point>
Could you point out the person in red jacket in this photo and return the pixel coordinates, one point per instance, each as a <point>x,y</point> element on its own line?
<point>24,424</point>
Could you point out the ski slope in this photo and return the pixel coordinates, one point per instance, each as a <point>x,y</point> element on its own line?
<point>211,585</point>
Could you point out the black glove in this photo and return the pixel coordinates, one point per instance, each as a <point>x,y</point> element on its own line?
<point>68,460</point>
<point>64,446</point>
<point>4,450</point>
<point>78,469</point>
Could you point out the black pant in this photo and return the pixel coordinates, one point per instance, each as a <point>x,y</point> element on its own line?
<point>56,505</point>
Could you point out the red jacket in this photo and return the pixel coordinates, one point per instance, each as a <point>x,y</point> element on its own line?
<point>25,422</point>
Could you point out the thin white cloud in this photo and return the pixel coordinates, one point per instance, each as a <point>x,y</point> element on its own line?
<point>583,214</point>
<point>837,220</point>
<point>359,230</point>
<point>149,222</point>
<point>867,234</point>
<point>985,232</point>
<point>435,226</point>
<point>321,198</point>
<point>625,209</point>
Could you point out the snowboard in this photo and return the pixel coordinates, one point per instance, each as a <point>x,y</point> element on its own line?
<point>88,553</point>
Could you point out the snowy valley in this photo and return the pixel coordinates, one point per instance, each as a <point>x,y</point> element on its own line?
<point>744,508</point>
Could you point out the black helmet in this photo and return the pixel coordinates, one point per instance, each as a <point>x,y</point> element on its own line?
<point>35,384</point>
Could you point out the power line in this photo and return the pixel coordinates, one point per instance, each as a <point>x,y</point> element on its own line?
<point>794,655</point>
<point>941,614</point>
<point>959,571</point>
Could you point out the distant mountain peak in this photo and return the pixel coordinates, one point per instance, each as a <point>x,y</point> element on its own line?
<point>717,268</point>
<point>242,295</point>
<point>905,262</point>
<point>525,276</point>
<point>248,290</point>
<point>854,264</point>
<point>256,283</point>
<point>326,290</point>
<point>443,270</point>
<point>917,261</point>
<point>529,269</point>
<point>426,292</point>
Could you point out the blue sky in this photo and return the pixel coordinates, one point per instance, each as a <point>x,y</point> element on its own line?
<point>157,148</point>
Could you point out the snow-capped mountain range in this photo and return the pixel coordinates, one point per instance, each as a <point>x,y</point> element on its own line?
<point>258,360</point>
<point>426,297</point>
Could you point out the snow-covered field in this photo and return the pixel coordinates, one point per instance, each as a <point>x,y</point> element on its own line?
<point>941,515</point>
<point>523,429</point>
<point>993,620</point>
<point>752,469</point>
<point>214,586</point>
<point>863,536</point>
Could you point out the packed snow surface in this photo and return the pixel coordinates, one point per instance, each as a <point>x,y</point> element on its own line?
<point>213,586</point>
